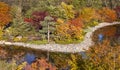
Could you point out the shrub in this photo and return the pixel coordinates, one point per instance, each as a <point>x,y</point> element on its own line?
<point>22,39</point>
<point>59,21</point>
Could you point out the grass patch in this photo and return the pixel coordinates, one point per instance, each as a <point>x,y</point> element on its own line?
<point>38,42</point>
<point>69,42</point>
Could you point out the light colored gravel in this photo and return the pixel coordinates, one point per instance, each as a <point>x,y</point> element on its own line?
<point>71,48</point>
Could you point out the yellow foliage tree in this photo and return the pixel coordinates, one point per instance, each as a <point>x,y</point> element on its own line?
<point>69,32</point>
<point>68,10</point>
<point>73,62</point>
<point>59,21</point>
<point>88,14</point>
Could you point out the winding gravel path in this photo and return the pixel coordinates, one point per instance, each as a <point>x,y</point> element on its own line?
<point>71,48</point>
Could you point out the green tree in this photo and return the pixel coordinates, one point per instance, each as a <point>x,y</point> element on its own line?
<point>42,5</point>
<point>110,3</point>
<point>19,28</point>
<point>48,28</point>
<point>63,11</point>
<point>79,4</point>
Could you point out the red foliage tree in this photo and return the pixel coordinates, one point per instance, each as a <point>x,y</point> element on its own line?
<point>27,19</point>
<point>35,19</point>
<point>117,9</point>
<point>77,22</point>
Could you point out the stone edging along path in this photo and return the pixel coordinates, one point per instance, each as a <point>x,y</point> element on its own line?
<point>69,48</point>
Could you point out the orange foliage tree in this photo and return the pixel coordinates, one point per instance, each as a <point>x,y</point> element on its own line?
<point>70,30</point>
<point>77,22</point>
<point>107,15</point>
<point>5,16</point>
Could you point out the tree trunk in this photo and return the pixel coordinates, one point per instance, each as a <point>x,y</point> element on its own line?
<point>48,34</point>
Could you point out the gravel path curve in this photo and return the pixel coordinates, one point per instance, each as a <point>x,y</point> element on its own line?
<point>70,48</point>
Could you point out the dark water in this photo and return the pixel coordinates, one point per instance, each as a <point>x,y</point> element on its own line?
<point>21,54</point>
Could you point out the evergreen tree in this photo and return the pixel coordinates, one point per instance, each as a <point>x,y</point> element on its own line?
<point>48,29</point>
<point>19,28</point>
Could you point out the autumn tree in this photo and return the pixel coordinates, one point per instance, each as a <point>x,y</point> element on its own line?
<point>35,19</point>
<point>98,57</point>
<point>89,16</point>
<point>5,16</point>
<point>107,15</point>
<point>77,22</point>
<point>76,62</point>
<point>42,64</point>
<point>71,30</point>
<point>104,56</point>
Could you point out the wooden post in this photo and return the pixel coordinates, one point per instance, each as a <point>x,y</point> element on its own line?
<point>48,34</point>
